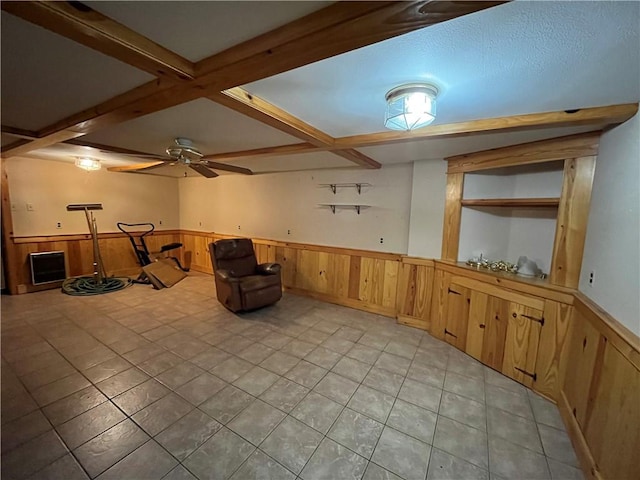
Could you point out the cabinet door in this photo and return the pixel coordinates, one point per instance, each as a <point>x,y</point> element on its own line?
<point>495,332</point>
<point>521,345</point>
<point>455,331</point>
<point>477,324</point>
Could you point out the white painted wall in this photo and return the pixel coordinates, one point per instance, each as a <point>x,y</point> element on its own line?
<point>508,233</point>
<point>267,206</point>
<point>612,248</point>
<point>427,208</point>
<point>50,186</point>
<point>483,231</point>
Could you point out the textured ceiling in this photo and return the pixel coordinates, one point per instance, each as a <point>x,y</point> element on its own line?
<point>46,77</point>
<point>521,57</point>
<point>517,58</point>
<point>212,127</point>
<point>196,30</point>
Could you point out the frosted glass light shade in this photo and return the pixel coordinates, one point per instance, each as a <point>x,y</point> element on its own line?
<point>410,106</point>
<point>88,164</point>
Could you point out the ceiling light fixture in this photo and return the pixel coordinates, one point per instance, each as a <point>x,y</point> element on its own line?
<point>88,164</point>
<point>410,106</point>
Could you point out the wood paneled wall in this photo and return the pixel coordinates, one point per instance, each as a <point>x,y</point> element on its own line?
<point>600,393</point>
<point>116,250</point>
<point>355,278</point>
<point>595,360</point>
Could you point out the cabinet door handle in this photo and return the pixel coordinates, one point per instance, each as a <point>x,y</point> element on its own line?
<point>447,332</point>
<point>482,325</point>
<point>532,375</point>
<point>454,292</point>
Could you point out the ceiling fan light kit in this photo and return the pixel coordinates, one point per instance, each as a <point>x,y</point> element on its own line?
<point>88,164</point>
<point>184,150</point>
<point>410,106</point>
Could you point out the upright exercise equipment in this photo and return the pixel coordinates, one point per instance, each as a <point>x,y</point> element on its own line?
<point>137,233</point>
<point>99,283</point>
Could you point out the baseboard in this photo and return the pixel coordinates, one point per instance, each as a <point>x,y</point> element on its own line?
<point>413,322</point>
<point>587,463</point>
<point>345,302</point>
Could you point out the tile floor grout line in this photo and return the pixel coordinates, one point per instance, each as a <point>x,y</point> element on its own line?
<point>376,328</point>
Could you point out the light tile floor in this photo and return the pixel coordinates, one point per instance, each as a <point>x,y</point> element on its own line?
<point>144,384</point>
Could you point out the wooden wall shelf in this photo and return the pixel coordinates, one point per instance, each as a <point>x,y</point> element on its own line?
<point>511,202</point>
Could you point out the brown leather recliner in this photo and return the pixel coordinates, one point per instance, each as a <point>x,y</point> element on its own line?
<point>241,283</point>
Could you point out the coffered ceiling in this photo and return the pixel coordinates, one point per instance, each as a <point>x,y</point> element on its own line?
<point>312,77</point>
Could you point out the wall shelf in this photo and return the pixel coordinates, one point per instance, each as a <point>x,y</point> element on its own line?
<point>511,202</point>
<point>335,186</point>
<point>334,206</point>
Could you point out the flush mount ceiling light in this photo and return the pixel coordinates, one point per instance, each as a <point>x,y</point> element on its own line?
<point>88,164</point>
<point>410,106</point>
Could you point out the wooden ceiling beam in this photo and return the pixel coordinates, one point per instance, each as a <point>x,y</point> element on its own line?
<point>16,149</point>
<point>331,31</point>
<point>597,116</point>
<point>294,148</point>
<point>336,29</point>
<point>80,23</point>
<point>19,132</point>
<point>241,101</point>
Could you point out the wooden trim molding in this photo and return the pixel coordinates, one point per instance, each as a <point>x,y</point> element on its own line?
<point>8,247</point>
<point>571,224</point>
<point>452,216</point>
<point>573,146</point>
<point>598,117</point>
<point>85,236</point>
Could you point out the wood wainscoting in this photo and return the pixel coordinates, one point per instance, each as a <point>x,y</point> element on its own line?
<point>360,279</point>
<point>116,250</point>
<point>586,361</point>
<point>600,393</point>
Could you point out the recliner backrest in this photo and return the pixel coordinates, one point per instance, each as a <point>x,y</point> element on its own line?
<point>235,255</point>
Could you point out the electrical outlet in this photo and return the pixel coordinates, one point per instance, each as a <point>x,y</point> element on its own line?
<point>160,222</point>
<point>14,207</point>
<point>381,240</point>
<point>288,232</point>
<point>30,207</point>
<point>238,227</point>
<point>199,224</point>
<point>592,277</point>
<point>59,225</point>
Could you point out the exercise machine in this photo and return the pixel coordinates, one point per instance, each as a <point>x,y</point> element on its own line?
<point>98,283</point>
<point>136,233</point>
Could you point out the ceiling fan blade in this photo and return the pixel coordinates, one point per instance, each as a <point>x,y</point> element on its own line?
<point>203,170</point>
<point>226,167</point>
<point>139,155</point>
<point>110,149</point>
<point>138,167</point>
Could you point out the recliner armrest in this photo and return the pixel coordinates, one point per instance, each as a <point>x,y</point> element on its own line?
<point>226,275</point>
<point>268,268</point>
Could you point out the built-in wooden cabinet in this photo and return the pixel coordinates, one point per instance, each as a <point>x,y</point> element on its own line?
<point>501,320</point>
<point>555,209</point>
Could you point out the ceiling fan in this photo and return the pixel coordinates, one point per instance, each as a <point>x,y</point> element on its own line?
<point>182,152</point>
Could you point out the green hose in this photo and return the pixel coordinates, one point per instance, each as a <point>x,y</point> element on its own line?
<point>88,285</point>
